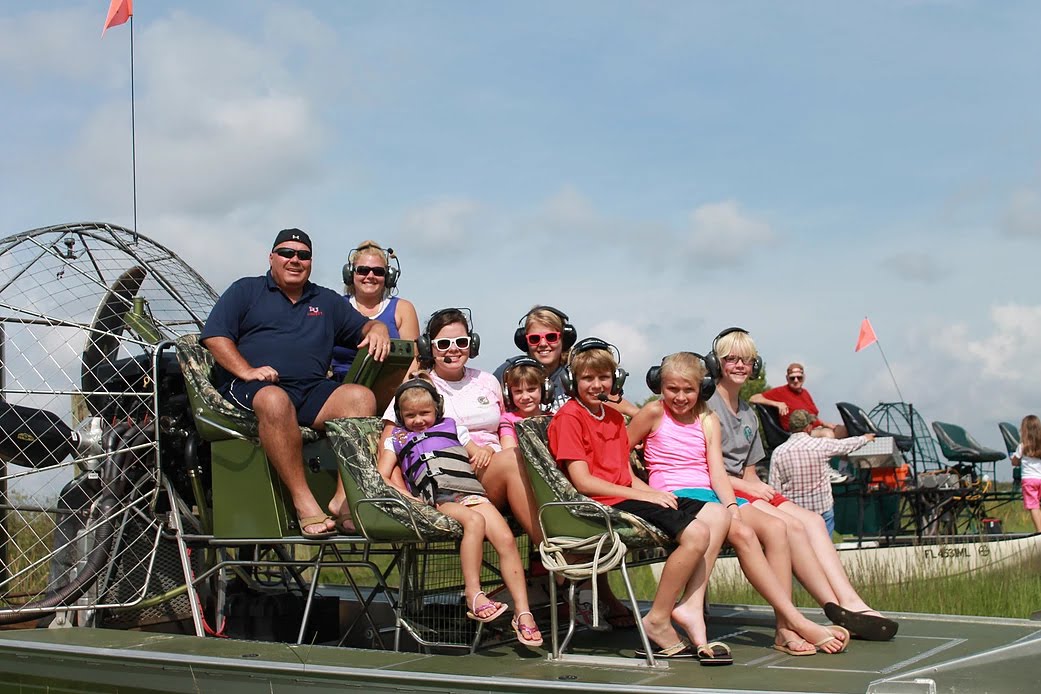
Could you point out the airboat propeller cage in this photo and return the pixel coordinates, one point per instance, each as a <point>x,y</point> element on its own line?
<point>86,313</point>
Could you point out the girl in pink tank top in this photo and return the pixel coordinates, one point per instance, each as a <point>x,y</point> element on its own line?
<point>681,436</point>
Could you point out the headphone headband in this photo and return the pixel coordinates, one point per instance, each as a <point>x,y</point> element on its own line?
<point>712,361</point>
<point>568,334</point>
<point>415,382</point>
<point>587,344</point>
<point>705,389</point>
<point>424,344</point>
<point>393,273</point>
<point>544,385</point>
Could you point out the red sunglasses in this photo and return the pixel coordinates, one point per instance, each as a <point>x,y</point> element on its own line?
<point>535,338</point>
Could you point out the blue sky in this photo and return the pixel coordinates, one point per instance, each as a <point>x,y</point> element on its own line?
<point>658,170</point>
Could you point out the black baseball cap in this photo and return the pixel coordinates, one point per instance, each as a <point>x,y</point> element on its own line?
<point>292,235</point>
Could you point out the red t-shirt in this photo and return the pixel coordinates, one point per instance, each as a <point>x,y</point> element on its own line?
<point>574,434</point>
<point>794,401</point>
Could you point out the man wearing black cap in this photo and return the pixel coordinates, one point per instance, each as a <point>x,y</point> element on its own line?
<point>272,337</point>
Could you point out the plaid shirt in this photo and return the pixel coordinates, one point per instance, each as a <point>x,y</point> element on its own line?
<point>799,468</point>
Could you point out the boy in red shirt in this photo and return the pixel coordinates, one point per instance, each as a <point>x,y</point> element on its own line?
<point>590,443</point>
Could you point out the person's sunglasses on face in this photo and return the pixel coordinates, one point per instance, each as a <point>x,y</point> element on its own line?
<point>443,344</point>
<point>535,338</point>
<point>290,253</point>
<point>362,270</point>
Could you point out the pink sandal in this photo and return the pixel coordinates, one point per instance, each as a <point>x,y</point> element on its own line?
<point>524,632</point>
<point>475,612</point>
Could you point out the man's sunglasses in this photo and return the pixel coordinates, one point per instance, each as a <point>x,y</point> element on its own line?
<point>289,253</point>
<point>443,344</point>
<point>796,378</point>
<point>535,338</point>
<point>362,270</point>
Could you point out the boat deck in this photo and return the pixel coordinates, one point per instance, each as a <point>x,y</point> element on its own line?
<point>958,654</point>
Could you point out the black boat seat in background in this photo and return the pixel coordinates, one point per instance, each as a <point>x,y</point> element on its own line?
<point>959,447</point>
<point>858,423</point>
<point>1010,434</point>
<point>772,431</point>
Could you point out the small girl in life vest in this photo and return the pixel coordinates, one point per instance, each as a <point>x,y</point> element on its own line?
<point>435,455</point>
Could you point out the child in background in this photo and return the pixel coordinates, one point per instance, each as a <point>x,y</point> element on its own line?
<point>589,442</point>
<point>434,454</point>
<point>1028,454</point>
<point>683,454</point>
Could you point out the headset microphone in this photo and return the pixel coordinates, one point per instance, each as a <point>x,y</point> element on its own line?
<point>602,397</point>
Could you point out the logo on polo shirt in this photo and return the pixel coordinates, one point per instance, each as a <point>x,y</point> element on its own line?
<point>314,311</point>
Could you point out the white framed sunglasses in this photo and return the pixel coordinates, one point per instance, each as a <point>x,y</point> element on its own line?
<point>443,344</point>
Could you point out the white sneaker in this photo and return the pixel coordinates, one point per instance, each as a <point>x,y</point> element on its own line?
<point>836,477</point>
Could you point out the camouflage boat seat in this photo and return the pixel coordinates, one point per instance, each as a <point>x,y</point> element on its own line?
<point>215,417</point>
<point>566,513</point>
<point>426,540</point>
<point>380,512</point>
<point>239,466</point>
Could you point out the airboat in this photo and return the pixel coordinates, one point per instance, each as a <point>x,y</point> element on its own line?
<point>146,546</point>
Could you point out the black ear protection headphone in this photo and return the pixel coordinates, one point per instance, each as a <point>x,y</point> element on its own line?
<point>424,343</point>
<point>568,335</point>
<point>712,361</point>
<point>567,379</point>
<point>544,385</point>
<point>439,401</point>
<point>393,273</point>
<point>705,389</point>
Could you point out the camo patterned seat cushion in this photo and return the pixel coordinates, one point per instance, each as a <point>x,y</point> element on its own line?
<point>532,436</point>
<point>355,441</point>
<point>197,366</point>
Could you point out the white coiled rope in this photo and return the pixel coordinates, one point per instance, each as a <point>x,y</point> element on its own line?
<point>608,551</point>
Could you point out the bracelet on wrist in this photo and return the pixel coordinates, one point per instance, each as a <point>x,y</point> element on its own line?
<point>732,503</point>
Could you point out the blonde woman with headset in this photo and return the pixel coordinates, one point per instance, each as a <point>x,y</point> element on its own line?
<point>370,286</point>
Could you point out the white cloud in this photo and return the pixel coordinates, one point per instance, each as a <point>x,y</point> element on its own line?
<point>722,233</point>
<point>1002,355</point>
<point>633,345</point>
<point>449,221</point>
<point>221,125</point>
<point>1022,216</point>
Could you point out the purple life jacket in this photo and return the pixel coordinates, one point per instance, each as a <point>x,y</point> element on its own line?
<point>434,461</point>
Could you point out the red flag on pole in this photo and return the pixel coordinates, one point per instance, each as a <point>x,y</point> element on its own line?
<point>119,11</point>
<point>867,335</point>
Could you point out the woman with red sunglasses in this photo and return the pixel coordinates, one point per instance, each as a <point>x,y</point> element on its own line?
<point>370,286</point>
<point>546,335</point>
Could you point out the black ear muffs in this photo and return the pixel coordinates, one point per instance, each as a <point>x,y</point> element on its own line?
<point>439,401</point>
<point>567,378</point>
<point>424,343</point>
<point>705,389</point>
<point>568,335</point>
<point>715,367</point>
<point>393,273</point>
<point>545,386</point>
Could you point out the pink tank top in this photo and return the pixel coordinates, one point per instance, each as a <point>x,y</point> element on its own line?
<point>675,455</point>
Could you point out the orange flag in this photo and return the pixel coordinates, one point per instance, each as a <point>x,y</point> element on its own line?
<point>867,336</point>
<point>119,11</point>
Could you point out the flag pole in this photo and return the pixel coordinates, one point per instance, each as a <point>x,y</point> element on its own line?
<point>133,127</point>
<point>867,337</point>
<point>882,352</point>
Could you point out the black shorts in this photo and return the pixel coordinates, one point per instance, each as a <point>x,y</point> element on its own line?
<point>307,398</point>
<point>671,520</point>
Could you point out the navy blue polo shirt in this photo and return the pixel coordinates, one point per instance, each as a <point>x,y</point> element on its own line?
<point>269,330</point>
